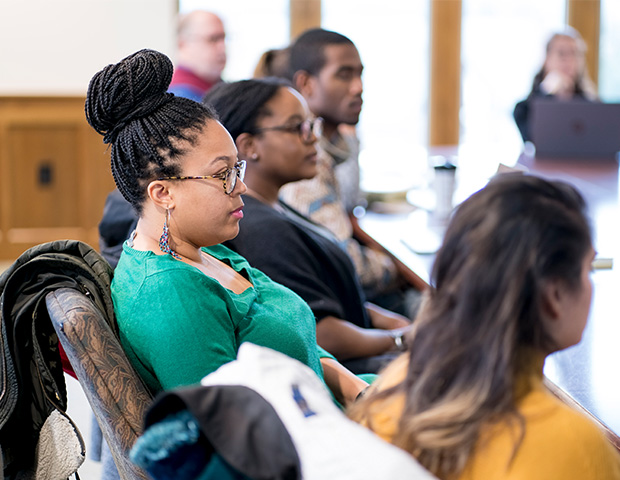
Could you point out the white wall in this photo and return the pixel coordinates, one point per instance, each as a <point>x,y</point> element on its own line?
<point>53,47</point>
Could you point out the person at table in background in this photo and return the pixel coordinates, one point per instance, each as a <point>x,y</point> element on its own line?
<point>563,75</point>
<point>325,67</point>
<point>276,134</point>
<point>511,284</point>
<point>201,54</point>
<point>183,302</point>
<point>273,63</point>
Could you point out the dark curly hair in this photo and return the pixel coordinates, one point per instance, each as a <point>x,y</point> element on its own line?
<point>147,127</point>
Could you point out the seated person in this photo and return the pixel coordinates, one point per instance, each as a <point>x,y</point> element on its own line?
<point>563,76</point>
<point>185,303</point>
<point>200,54</point>
<point>511,284</point>
<point>270,123</point>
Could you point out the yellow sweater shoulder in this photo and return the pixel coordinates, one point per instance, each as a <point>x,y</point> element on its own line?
<point>558,443</point>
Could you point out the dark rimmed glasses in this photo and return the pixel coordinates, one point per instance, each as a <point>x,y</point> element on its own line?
<point>305,129</point>
<point>229,177</point>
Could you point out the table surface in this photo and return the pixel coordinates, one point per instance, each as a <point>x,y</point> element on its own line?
<point>586,372</point>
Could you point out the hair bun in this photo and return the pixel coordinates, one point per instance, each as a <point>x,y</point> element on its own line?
<point>128,90</point>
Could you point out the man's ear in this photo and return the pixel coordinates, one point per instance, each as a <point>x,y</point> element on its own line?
<point>304,83</point>
<point>246,145</point>
<point>159,193</point>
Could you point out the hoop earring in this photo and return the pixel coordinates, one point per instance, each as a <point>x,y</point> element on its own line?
<point>164,244</point>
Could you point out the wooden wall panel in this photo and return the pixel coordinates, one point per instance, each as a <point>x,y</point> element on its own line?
<point>44,186</point>
<point>54,173</point>
<point>445,78</point>
<point>304,14</point>
<point>585,16</point>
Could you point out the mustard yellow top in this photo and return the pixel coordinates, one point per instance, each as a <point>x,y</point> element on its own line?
<point>559,442</point>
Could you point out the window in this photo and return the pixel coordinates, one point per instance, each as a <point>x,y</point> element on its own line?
<point>393,40</point>
<point>502,48</point>
<point>609,69</point>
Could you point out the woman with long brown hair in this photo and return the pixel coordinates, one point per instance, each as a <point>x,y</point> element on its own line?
<point>510,285</point>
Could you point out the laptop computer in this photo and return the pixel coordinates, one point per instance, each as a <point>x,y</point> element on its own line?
<point>575,128</point>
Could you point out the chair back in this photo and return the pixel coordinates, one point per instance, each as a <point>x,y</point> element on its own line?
<point>114,390</point>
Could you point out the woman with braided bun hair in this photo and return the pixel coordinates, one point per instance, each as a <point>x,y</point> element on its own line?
<point>184,303</point>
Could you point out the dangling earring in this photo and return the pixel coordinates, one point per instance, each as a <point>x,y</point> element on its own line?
<point>164,244</point>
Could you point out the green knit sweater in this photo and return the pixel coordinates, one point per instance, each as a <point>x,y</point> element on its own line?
<point>178,324</point>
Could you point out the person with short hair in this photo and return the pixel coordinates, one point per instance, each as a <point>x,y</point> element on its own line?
<point>201,54</point>
<point>325,67</point>
<point>510,285</point>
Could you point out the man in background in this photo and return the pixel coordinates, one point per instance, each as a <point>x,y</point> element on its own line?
<point>201,54</point>
<point>325,67</point>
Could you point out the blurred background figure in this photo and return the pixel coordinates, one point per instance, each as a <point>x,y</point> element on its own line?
<point>273,63</point>
<point>563,75</point>
<point>201,54</point>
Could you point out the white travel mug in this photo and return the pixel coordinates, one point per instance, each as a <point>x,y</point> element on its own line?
<point>444,189</point>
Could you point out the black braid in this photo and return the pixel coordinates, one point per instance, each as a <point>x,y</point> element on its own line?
<point>240,104</point>
<point>127,103</point>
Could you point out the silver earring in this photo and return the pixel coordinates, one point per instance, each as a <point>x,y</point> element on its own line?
<point>164,240</point>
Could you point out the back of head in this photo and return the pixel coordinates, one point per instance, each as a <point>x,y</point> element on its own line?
<point>240,104</point>
<point>148,128</point>
<point>273,63</point>
<point>307,52</point>
<point>501,246</point>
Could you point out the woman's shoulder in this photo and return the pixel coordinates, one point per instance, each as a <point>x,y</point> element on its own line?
<point>267,228</point>
<point>558,442</point>
<point>258,215</point>
<point>570,443</point>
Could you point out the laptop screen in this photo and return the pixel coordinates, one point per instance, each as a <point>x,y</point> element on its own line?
<point>575,128</point>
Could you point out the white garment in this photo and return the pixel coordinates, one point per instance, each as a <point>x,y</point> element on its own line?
<point>329,444</point>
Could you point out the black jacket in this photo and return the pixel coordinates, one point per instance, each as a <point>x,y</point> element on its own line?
<point>31,376</point>
<point>118,221</point>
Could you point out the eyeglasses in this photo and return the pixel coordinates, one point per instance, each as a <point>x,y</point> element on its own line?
<point>305,129</point>
<point>229,177</point>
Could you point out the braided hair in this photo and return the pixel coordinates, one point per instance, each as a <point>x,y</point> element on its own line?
<point>147,127</point>
<point>240,104</point>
